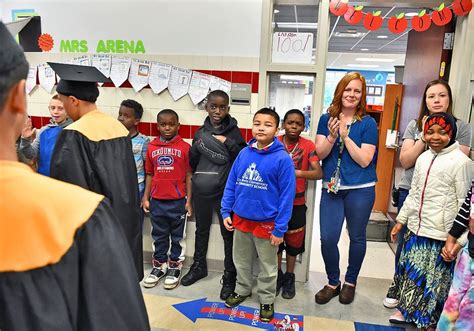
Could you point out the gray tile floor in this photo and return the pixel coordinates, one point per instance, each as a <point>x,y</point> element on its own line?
<point>367,306</point>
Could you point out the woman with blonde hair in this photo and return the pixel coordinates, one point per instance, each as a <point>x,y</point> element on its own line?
<point>345,142</point>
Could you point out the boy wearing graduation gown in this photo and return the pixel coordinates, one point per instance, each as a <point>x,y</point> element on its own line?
<point>59,242</point>
<point>95,152</point>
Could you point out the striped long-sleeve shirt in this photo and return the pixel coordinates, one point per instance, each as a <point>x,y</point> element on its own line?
<point>461,222</point>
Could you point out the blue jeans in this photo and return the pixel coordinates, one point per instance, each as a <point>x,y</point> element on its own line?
<point>401,200</point>
<point>355,206</point>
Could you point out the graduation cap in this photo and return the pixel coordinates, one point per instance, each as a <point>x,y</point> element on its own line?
<point>78,81</point>
<point>13,64</point>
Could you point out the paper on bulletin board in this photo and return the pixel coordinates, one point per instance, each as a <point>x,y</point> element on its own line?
<point>220,84</point>
<point>82,60</point>
<point>103,63</point>
<point>159,76</point>
<point>291,47</point>
<point>47,77</point>
<point>391,139</point>
<point>178,84</point>
<point>119,69</point>
<point>31,79</point>
<point>139,73</point>
<point>199,87</point>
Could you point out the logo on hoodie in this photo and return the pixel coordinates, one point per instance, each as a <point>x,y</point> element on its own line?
<point>252,178</point>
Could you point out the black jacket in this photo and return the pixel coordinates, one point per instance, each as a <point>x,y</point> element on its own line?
<point>210,159</point>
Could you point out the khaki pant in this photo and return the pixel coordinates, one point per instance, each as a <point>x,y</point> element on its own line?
<point>246,248</point>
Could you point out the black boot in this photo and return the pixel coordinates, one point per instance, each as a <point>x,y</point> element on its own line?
<point>228,284</point>
<point>280,280</point>
<point>289,286</point>
<point>197,271</point>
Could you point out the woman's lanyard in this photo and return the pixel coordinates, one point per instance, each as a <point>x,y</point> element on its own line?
<point>335,182</point>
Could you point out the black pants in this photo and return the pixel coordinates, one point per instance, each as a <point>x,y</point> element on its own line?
<point>203,209</point>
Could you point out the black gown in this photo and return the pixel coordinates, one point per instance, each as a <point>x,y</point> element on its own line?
<point>95,153</point>
<point>59,247</point>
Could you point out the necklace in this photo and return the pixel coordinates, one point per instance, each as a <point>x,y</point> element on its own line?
<point>286,147</point>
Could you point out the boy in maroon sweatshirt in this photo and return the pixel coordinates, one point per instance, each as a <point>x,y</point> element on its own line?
<point>167,198</point>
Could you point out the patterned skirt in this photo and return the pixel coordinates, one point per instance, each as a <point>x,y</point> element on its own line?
<point>422,280</point>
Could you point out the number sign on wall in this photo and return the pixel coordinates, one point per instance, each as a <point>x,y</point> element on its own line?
<point>289,47</point>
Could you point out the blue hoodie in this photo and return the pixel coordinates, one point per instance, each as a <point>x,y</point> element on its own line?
<point>261,186</point>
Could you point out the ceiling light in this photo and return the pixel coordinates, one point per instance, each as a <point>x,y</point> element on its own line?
<point>412,14</point>
<point>349,34</point>
<point>364,49</point>
<point>370,59</point>
<point>275,11</point>
<point>382,37</point>
<point>358,65</point>
<point>294,25</point>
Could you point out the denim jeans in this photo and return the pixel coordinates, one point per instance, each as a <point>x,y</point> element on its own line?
<point>355,206</point>
<point>401,200</point>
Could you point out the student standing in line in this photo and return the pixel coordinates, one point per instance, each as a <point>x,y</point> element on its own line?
<point>43,145</point>
<point>167,198</point>
<point>346,141</point>
<point>64,262</point>
<point>458,311</point>
<point>437,98</point>
<point>424,271</point>
<point>303,153</point>
<point>259,192</point>
<point>95,152</point>
<point>130,114</point>
<point>214,149</point>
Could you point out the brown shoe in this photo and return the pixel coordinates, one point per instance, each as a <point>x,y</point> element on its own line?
<point>326,294</point>
<point>347,294</point>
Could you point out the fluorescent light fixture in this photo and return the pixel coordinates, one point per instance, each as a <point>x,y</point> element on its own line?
<point>412,14</point>
<point>276,11</point>
<point>294,25</point>
<point>370,59</point>
<point>349,34</point>
<point>382,37</point>
<point>359,65</point>
<point>364,49</point>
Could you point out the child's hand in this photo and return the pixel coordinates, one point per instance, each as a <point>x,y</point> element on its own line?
<point>275,240</point>
<point>28,130</point>
<point>189,208</point>
<point>146,206</point>
<point>396,229</point>
<point>228,224</point>
<point>220,138</point>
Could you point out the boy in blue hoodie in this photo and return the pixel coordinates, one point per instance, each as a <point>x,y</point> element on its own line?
<point>260,192</point>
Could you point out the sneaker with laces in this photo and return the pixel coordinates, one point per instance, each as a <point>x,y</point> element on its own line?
<point>236,299</point>
<point>266,312</point>
<point>172,275</point>
<point>289,286</point>
<point>159,271</point>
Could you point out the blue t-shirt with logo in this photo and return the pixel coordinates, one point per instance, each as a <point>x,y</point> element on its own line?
<point>363,131</point>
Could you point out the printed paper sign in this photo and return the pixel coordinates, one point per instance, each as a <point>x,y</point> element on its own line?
<point>159,76</point>
<point>179,82</point>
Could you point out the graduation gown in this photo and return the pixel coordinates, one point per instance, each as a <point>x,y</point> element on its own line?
<point>95,153</point>
<point>59,247</point>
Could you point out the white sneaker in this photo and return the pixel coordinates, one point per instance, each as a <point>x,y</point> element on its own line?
<point>390,303</point>
<point>159,271</point>
<point>172,275</point>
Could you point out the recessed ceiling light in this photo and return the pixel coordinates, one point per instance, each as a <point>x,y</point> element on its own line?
<point>382,37</point>
<point>373,59</point>
<point>349,34</point>
<point>295,25</point>
<point>364,49</point>
<point>359,65</point>
<point>275,11</point>
<point>412,14</point>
